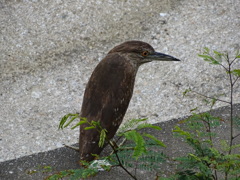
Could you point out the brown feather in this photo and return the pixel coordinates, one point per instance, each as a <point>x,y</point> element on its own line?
<point>106,99</point>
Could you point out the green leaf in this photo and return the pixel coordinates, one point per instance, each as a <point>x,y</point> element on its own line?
<point>209,59</point>
<point>237,54</point>
<point>140,147</point>
<point>95,155</point>
<point>77,173</point>
<point>65,118</point>
<point>206,57</point>
<point>85,163</point>
<point>215,62</point>
<point>236,72</point>
<point>186,91</point>
<point>89,172</point>
<point>181,132</point>
<point>206,50</point>
<point>73,118</point>
<point>146,125</point>
<point>89,128</point>
<point>62,122</point>
<point>236,121</point>
<point>155,139</point>
<point>194,157</point>
<point>79,123</point>
<point>47,169</point>
<point>217,53</point>
<point>95,123</point>
<point>66,173</point>
<point>194,109</point>
<point>130,125</point>
<point>214,100</point>
<point>102,138</point>
<point>237,146</point>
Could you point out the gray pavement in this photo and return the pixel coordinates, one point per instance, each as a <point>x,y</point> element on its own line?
<point>48,50</point>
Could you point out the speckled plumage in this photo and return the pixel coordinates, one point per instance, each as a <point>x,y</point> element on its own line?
<point>109,91</point>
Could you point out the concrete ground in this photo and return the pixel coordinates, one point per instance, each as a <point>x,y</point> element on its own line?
<point>65,158</point>
<point>48,50</point>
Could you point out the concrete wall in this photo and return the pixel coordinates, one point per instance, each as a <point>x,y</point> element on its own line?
<point>48,50</point>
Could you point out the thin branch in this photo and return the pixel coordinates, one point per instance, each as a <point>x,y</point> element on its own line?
<point>135,170</point>
<point>223,67</point>
<point>119,146</point>
<point>119,162</point>
<point>72,147</point>
<point>231,106</point>
<point>118,139</point>
<point>233,60</point>
<point>99,129</point>
<point>216,177</point>
<point>209,130</point>
<point>227,59</point>
<point>236,136</point>
<point>211,97</point>
<point>235,80</point>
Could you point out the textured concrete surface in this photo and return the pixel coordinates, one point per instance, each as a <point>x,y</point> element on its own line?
<point>32,167</point>
<point>48,50</point>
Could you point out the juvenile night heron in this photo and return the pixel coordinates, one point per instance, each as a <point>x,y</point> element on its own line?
<point>109,91</point>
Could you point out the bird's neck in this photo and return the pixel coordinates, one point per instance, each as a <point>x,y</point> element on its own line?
<point>134,61</point>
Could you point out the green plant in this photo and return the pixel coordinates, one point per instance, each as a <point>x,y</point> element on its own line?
<point>207,161</point>
<point>139,153</point>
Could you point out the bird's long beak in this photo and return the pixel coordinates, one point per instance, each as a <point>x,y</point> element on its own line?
<point>156,56</point>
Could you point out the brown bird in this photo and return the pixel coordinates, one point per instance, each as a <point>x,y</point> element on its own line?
<point>109,91</point>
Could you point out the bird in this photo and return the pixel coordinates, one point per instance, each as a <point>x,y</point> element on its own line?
<point>109,91</point>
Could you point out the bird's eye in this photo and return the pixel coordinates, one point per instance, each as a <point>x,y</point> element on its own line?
<point>145,53</point>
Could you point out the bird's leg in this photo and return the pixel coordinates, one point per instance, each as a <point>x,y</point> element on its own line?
<point>72,147</point>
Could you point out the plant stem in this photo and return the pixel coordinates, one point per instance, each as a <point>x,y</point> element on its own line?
<point>211,97</point>
<point>215,177</point>
<point>209,130</point>
<point>99,129</point>
<point>120,163</point>
<point>231,109</point>
<point>235,80</point>
<point>236,136</point>
<point>231,106</point>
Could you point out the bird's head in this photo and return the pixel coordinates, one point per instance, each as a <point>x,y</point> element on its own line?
<point>141,52</point>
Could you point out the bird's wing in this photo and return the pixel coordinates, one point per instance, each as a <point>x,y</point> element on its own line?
<point>109,90</point>
<point>106,98</point>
